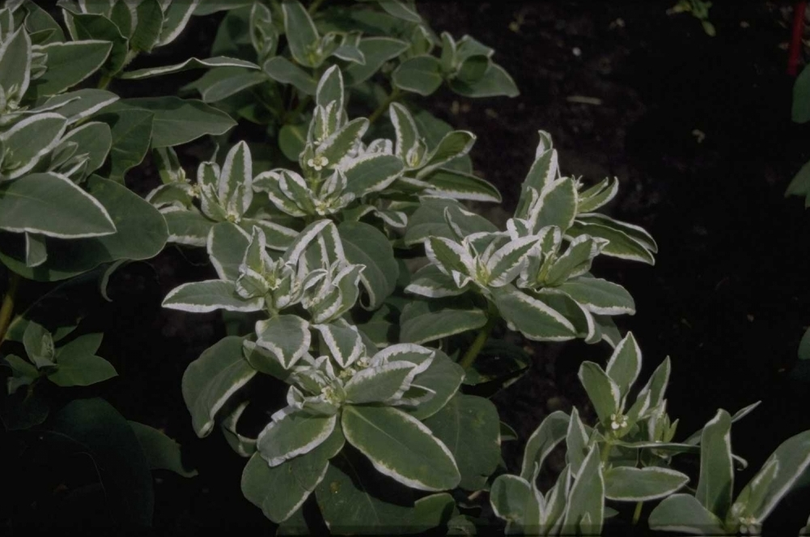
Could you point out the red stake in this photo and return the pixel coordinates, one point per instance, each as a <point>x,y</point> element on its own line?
<point>796,39</point>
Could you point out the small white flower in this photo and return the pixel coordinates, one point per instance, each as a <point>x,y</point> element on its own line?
<point>749,526</point>
<point>318,162</point>
<point>617,421</point>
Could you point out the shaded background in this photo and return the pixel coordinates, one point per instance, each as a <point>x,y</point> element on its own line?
<point>698,131</point>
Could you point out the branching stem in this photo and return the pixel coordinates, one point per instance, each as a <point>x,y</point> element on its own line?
<point>480,340</point>
<point>395,94</point>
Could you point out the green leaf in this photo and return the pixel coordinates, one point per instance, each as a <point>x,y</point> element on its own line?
<point>162,452</point>
<point>531,317</point>
<point>470,428</point>
<point>68,64</point>
<point>372,173</point>
<point>287,337</point>
<point>223,82</point>
<point>281,490</point>
<point>187,227</point>
<point>131,136</point>
<point>401,10</point>
<point>117,456</point>
<point>400,447</point>
<point>625,364</point>
<point>423,321</point>
<point>282,70</point>
<point>291,140</point>
<point>150,22</point>
<point>15,62</point>
<point>212,379</point>
<point>377,51</point>
<point>99,27</point>
<point>778,476</point>
<point>513,499</point>
<point>597,196</point>
<point>556,206</point>
<point>543,440</point>
<point>421,75</point>
<point>330,88</point>
<point>302,36</point>
<point>461,186</point>
<point>78,365</point>
<point>178,121</point>
<point>176,17</point>
<point>94,140</point>
<point>141,234</point>
<point>627,484</point>
<point>79,104</point>
<point>207,296</point>
<point>28,141</point>
<point>365,245</point>
<point>189,64</point>
<point>495,82</point>
<point>381,384</point>
<point>226,248</point>
<point>683,513</point>
<point>716,483</point>
<point>429,221</point>
<point>586,501</point>
<point>801,97</point>
<point>603,391</point>
<point>453,145</point>
<point>576,440</point>
<point>52,205</point>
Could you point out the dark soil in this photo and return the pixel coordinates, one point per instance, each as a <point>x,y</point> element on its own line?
<point>698,131</point>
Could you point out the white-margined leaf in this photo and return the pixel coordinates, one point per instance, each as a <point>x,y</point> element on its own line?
<point>226,247</point>
<point>285,336</point>
<point>407,134</point>
<point>377,51</point>
<point>556,205</point>
<point>716,483</point>
<point>371,173</point>
<point>431,282</point>
<point>235,187</point>
<point>513,499</point>
<point>28,141</point>
<point>576,439</point>
<point>625,364</point>
<point>187,227</point>
<point>543,440</point>
<point>292,434</point>
<point>401,9</point>
<point>365,245</point>
<point>15,63</point>
<point>506,263</point>
<point>453,145</point>
<point>68,64</point>
<point>344,343</point>
<point>210,295</point>
<point>36,252</point>
<point>576,260</point>
<point>382,384</point>
<point>458,185</point>
<point>189,64</point>
<point>282,70</point>
<point>175,18</point>
<point>302,36</point>
<point>401,447</point>
<point>586,502</point>
<point>449,256</point>
<point>597,196</point>
<point>330,89</point>
<point>423,321</point>
<point>52,205</point>
<point>421,75</point>
<point>604,392</point>
<point>212,379</point>
<point>338,145</point>
<point>532,317</point>
<point>543,172</point>
<point>682,513</point>
<point>657,384</point>
<point>628,484</point>
<point>79,104</point>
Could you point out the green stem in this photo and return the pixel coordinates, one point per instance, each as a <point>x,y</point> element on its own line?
<point>7,308</point>
<point>475,349</point>
<point>637,513</point>
<point>313,7</point>
<point>606,452</point>
<point>104,81</point>
<point>375,115</point>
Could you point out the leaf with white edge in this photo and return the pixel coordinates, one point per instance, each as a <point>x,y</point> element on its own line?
<point>78,365</point>
<point>161,452</point>
<point>507,262</point>
<point>99,26</point>
<point>178,121</point>
<point>597,196</point>
<point>449,256</point>
<point>470,428</point>
<point>52,205</point>
<point>344,343</point>
<point>235,187</point>
<point>94,140</point>
<point>495,82</point>
<point>371,173</point>
<point>338,145</point>
<point>286,336</point>
<point>443,378</point>
<point>657,384</point>
<point>453,145</point>
<point>556,206</point>
<point>81,103</point>
<point>401,10</point>
<point>222,82</point>
<point>576,440</point>
<point>226,247</point>
<point>627,484</point>
<point>407,134</point>
<point>365,245</point>
<point>28,141</point>
<point>302,36</point>
<point>279,491</point>
<point>207,296</point>
<point>513,499</point>
<point>637,233</point>
<point>461,186</point>
<point>625,363</point>
<point>401,447</point>
<point>603,391</point>
<point>576,260</point>
<point>620,244</point>
<point>583,320</point>
<point>187,227</point>
<point>36,252</point>
<point>716,483</point>
<point>429,221</point>
<point>383,384</point>
<point>682,513</point>
<point>423,321</point>
<point>150,17</point>
<point>532,317</point>
<point>543,440</point>
<point>68,64</point>
<point>175,18</point>
<point>431,282</point>
<point>778,476</point>
<point>421,75</point>
<point>131,137</point>
<point>15,62</point>
<point>377,51</point>
<point>304,239</point>
<point>292,434</point>
<point>330,88</point>
<point>282,70</point>
<point>188,65</point>
<point>586,501</point>
<point>212,379</point>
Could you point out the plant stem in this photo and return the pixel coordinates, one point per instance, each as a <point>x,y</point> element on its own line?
<point>313,7</point>
<point>472,353</point>
<point>104,81</point>
<point>637,513</point>
<point>606,452</point>
<point>7,309</point>
<point>384,106</point>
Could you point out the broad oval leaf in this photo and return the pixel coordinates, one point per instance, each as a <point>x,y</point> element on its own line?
<point>682,513</point>
<point>628,484</point>
<point>293,434</point>
<point>531,317</point>
<point>287,337</point>
<point>364,245</point>
<point>68,64</point>
<point>421,75</point>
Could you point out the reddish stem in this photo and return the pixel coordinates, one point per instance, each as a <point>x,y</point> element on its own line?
<point>796,39</point>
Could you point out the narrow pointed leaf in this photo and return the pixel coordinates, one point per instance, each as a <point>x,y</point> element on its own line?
<point>625,363</point>
<point>586,502</point>
<point>543,440</point>
<point>627,484</point>
<point>191,63</point>
<point>211,295</point>
<point>603,391</point>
